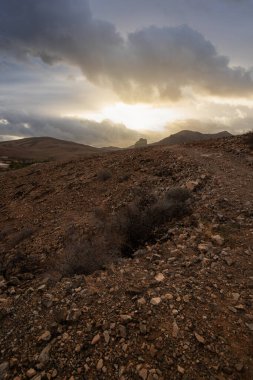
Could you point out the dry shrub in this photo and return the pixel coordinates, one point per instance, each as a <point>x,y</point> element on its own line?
<point>19,262</point>
<point>83,254</point>
<point>103,175</point>
<point>5,232</point>
<point>249,139</point>
<point>21,235</point>
<point>118,235</point>
<point>136,223</point>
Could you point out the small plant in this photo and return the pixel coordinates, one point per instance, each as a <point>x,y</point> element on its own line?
<point>104,175</point>
<point>14,165</point>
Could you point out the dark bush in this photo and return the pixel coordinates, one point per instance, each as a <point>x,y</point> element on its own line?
<point>20,164</point>
<point>21,235</point>
<point>5,231</point>
<point>83,256</point>
<point>137,222</point>
<point>104,175</point>
<point>249,139</point>
<point>118,235</point>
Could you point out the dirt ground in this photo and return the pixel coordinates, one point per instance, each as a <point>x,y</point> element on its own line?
<point>180,308</point>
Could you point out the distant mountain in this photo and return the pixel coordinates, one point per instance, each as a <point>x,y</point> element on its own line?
<point>45,148</point>
<point>190,136</point>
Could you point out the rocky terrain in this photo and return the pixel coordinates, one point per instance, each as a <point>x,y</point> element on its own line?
<point>187,136</point>
<point>178,306</point>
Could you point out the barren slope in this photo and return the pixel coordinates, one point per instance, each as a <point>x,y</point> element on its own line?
<point>181,308</point>
<point>45,148</point>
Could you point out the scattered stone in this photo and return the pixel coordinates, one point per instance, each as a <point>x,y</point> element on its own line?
<point>141,301</point>
<point>168,297</point>
<point>239,367</point>
<point>73,315</point>
<point>218,239</point>
<point>106,336</point>
<point>44,355</point>
<point>122,331</point>
<point>204,247</point>
<point>180,369</point>
<point>31,373</point>
<point>159,277</point>
<point>228,261</point>
<point>100,364</point>
<point>236,296</point>
<point>96,339</point>
<point>199,338</point>
<point>175,329</point>
<point>143,373</point>
<point>3,369</point>
<point>186,298</point>
<point>192,185</point>
<point>45,337</point>
<point>250,326</point>
<point>155,301</point>
<point>125,318</point>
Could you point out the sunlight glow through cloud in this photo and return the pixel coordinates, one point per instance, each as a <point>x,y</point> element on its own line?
<point>138,116</point>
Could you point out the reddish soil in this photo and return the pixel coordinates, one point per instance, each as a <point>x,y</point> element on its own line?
<point>181,308</point>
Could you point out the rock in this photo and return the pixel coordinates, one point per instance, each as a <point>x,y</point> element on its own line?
<point>78,348</point>
<point>204,247</point>
<point>236,296</point>
<point>199,338</point>
<point>47,300</point>
<point>143,328</point>
<point>45,337</point>
<point>143,373</point>
<point>96,339</point>
<point>3,369</point>
<point>186,298</point>
<point>159,277</point>
<point>31,373</point>
<point>175,329</point>
<point>13,362</point>
<point>168,297</point>
<point>106,336</point>
<point>100,364</point>
<point>141,301</point>
<point>228,261</point>
<point>44,355</point>
<point>239,367</point>
<point>122,331</point>
<point>250,326</point>
<point>218,239</point>
<point>73,315</point>
<point>192,185</point>
<point>155,301</point>
<point>180,369</point>
<point>125,318</point>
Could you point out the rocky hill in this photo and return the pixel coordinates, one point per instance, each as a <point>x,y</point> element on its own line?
<point>186,136</point>
<point>134,264</point>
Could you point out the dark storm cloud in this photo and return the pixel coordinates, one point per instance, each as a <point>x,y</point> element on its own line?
<point>150,64</point>
<point>83,131</point>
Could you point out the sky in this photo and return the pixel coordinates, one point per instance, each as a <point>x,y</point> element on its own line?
<point>107,72</point>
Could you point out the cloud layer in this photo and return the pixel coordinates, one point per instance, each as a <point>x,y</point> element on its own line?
<point>153,64</point>
<point>106,133</point>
